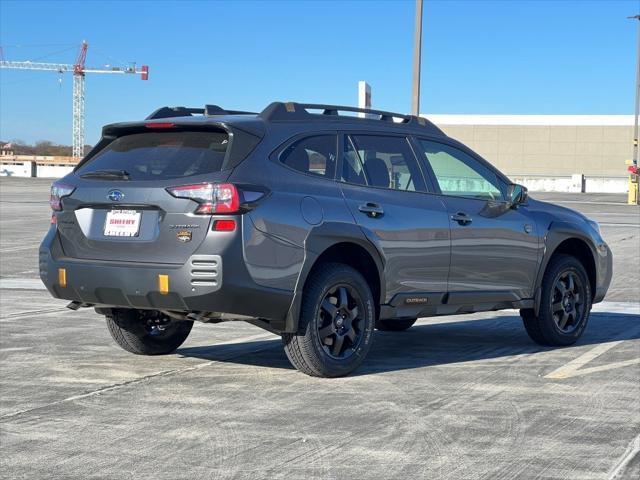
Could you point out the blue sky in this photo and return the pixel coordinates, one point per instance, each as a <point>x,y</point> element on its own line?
<point>509,56</point>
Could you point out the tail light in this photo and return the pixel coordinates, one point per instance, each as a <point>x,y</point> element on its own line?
<point>212,197</point>
<point>58,191</point>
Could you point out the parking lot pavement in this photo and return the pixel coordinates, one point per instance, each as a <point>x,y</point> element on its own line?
<point>454,397</point>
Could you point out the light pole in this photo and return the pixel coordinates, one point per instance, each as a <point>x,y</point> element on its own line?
<point>635,127</point>
<point>633,196</point>
<point>417,51</point>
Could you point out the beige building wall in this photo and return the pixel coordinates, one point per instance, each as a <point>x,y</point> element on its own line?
<point>546,145</point>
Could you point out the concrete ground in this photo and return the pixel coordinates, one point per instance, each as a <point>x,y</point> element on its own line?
<point>454,397</point>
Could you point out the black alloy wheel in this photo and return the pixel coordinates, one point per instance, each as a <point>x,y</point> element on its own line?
<point>568,301</point>
<point>565,303</point>
<point>336,324</point>
<point>340,321</point>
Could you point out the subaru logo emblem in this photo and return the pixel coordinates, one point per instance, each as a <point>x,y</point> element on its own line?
<point>115,195</point>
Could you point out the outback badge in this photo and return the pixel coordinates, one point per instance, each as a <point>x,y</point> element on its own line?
<point>184,236</point>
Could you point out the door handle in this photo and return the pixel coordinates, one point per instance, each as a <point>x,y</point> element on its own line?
<point>462,218</point>
<point>371,209</point>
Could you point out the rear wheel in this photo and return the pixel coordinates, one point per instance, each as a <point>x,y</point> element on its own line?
<point>336,323</point>
<point>147,332</point>
<point>565,304</point>
<point>395,325</point>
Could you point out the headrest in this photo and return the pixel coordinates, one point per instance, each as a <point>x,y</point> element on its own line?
<point>298,159</point>
<point>377,172</point>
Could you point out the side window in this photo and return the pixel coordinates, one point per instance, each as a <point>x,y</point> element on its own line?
<point>315,155</point>
<point>459,174</point>
<point>378,161</point>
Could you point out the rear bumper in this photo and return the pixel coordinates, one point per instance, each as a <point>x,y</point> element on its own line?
<point>205,283</point>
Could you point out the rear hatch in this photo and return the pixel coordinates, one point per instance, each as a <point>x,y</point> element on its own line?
<point>121,210</point>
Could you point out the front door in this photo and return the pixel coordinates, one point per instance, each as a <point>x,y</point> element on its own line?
<point>494,248</point>
<point>385,190</point>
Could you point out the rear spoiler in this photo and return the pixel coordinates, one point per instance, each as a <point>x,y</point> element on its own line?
<point>207,111</point>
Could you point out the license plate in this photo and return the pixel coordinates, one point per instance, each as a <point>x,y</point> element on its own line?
<point>122,223</point>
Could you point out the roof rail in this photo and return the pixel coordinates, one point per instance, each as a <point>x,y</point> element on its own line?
<point>208,111</point>
<point>288,111</point>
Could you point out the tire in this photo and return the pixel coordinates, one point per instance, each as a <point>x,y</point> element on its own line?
<point>336,324</point>
<point>565,304</point>
<point>395,325</point>
<point>147,332</point>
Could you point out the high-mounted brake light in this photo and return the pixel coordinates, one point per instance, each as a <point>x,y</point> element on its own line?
<point>58,191</point>
<point>160,125</point>
<point>212,197</point>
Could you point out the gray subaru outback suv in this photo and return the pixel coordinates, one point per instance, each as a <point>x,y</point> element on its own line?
<point>313,224</point>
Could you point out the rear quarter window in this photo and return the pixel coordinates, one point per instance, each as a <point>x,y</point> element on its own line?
<point>162,155</point>
<point>315,155</point>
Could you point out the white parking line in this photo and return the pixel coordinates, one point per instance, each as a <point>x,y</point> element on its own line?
<point>19,248</point>
<point>256,338</point>
<point>573,368</point>
<point>585,202</point>
<point>21,284</point>
<point>632,450</point>
<point>632,225</point>
<point>610,214</point>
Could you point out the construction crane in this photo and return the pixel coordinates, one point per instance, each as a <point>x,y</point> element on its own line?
<point>79,71</point>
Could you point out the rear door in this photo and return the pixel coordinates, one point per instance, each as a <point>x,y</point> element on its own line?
<point>121,209</point>
<point>494,248</point>
<point>386,193</point>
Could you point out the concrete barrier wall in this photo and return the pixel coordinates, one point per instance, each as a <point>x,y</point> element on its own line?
<point>32,169</point>
<point>53,171</point>
<point>575,183</point>
<point>607,185</point>
<point>17,169</point>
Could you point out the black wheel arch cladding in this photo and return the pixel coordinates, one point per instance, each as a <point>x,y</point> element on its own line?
<point>320,245</point>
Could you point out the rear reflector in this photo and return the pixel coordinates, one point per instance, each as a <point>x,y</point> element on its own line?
<point>224,225</point>
<point>160,125</point>
<point>62,277</point>
<point>163,284</point>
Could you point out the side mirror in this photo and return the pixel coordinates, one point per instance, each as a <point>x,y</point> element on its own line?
<point>517,194</point>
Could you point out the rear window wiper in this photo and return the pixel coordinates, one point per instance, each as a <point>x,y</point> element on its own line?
<point>119,174</point>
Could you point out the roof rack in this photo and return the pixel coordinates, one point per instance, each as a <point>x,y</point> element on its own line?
<point>207,111</point>
<point>292,111</point>
<point>288,111</point>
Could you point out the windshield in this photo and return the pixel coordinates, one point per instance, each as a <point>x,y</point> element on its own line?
<point>160,155</point>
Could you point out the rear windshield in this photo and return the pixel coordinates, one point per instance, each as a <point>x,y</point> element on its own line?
<point>160,155</point>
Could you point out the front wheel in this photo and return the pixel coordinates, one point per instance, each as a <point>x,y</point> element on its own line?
<point>147,332</point>
<point>565,304</point>
<point>336,323</point>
